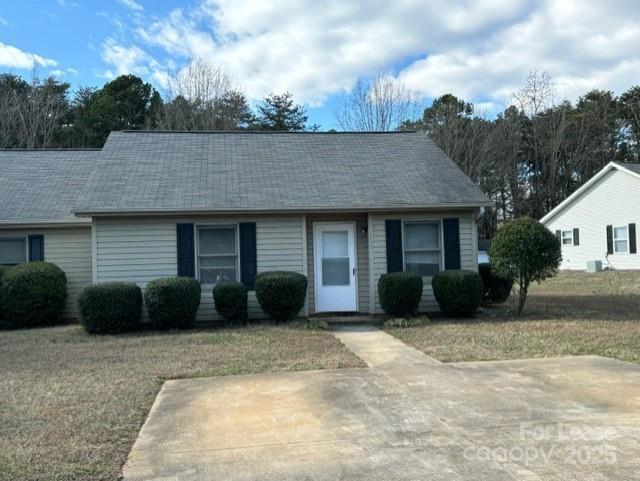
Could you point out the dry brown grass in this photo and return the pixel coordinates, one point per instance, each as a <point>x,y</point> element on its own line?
<point>573,314</point>
<point>71,405</point>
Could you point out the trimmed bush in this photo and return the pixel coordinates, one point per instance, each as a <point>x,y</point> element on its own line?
<point>3,269</point>
<point>497,288</point>
<point>281,294</point>
<point>33,294</point>
<point>231,301</point>
<point>400,293</point>
<point>110,308</point>
<point>172,302</point>
<point>458,292</point>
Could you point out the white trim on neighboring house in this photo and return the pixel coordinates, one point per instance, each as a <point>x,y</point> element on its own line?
<point>569,200</point>
<point>36,224</point>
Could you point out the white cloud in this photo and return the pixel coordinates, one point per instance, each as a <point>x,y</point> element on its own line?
<point>125,59</point>
<point>13,57</point>
<point>132,4</point>
<point>479,50</point>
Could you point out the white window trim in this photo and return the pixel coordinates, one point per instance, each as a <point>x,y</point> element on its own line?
<point>26,246</point>
<point>440,249</point>
<point>197,228</point>
<point>626,238</point>
<point>562,237</point>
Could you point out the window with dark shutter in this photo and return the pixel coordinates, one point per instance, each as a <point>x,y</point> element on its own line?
<point>186,250</point>
<point>393,228</point>
<point>36,248</point>
<point>451,235</point>
<point>248,256</point>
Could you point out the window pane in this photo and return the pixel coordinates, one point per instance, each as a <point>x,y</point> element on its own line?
<point>620,233</point>
<point>215,275</point>
<point>217,241</point>
<point>13,251</point>
<point>223,261</point>
<point>335,271</point>
<point>424,263</point>
<point>421,236</point>
<point>621,246</point>
<point>335,244</point>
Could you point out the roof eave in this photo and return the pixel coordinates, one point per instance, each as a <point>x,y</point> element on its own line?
<point>286,210</point>
<point>39,224</point>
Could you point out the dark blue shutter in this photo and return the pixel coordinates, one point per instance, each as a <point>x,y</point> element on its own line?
<point>451,234</point>
<point>36,248</point>
<point>633,249</point>
<point>393,229</point>
<point>609,239</point>
<point>248,257</point>
<point>576,237</point>
<point>186,250</point>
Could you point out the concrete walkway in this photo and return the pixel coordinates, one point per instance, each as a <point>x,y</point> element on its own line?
<point>406,417</point>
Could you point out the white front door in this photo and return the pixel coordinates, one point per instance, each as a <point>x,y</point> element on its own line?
<point>335,267</point>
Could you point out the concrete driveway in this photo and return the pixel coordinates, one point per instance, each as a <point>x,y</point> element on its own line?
<point>405,417</point>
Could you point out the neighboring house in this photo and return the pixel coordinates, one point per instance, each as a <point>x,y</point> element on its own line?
<point>37,190</point>
<point>598,221</point>
<point>341,208</point>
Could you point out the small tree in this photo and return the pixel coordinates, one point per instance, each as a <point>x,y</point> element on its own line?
<point>525,251</point>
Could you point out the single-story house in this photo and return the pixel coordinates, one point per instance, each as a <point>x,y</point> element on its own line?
<point>598,221</point>
<point>340,208</point>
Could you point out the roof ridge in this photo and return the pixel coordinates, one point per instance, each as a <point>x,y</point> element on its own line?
<point>266,132</point>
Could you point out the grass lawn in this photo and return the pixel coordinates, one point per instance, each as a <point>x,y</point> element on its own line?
<point>572,314</point>
<point>71,405</point>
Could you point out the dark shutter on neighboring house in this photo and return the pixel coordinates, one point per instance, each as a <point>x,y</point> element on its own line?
<point>36,248</point>
<point>559,235</point>
<point>451,234</point>
<point>248,257</point>
<point>186,250</point>
<point>576,237</point>
<point>393,229</point>
<point>609,239</point>
<point>632,239</point>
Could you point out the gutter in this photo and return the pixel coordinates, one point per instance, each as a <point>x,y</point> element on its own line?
<point>285,210</point>
<point>42,224</point>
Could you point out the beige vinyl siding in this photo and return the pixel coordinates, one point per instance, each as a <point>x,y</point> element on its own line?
<point>142,249</point>
<point>612,200</point>
<point>468,249</point>
<point>362,252</point>
<point>69,249</point>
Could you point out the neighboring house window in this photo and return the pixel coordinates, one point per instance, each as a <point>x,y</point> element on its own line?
<point>422,251</point>
<point>13,251</point>
<point>567,237</point>
<point>620,240</point>
<point>217,254</point>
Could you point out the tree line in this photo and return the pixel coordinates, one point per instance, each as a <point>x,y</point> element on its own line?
<point>527,158</point>
<point>46,113</point>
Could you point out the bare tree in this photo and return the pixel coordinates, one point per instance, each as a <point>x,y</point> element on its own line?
<point>381,105</point>
<point>203,96</point>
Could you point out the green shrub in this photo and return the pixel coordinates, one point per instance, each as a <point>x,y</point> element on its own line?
<point>3,269</point>
<point>33,294</point>
<point>172,302</point>
<point>281,294</point>
<point>458,292</point>
<point>231,301</point>
<point>401,322</point>
<point>525,251</point>
<point>497,288</point>
<point>400,293</point>
<point>110,308</point>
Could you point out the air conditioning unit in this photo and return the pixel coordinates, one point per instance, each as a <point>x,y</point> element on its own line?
<point>594,266</point>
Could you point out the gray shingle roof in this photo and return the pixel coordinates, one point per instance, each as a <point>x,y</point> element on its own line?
<point>633,167</point>
<point>172,171</point>
<point>42,185</point>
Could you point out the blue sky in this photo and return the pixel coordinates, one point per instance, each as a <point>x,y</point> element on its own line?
<point>480,50</point>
